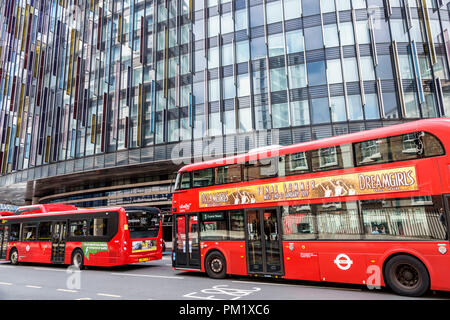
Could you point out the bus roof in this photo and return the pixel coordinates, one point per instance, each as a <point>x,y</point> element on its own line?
<point>429,125</point>
<point>6,213</point>
<point>42,208</point>
<point>62,213</point>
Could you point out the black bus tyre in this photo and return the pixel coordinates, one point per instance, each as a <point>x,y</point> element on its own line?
<point>77,259</point>
<point>407,276</point>
<point>215,265</point>
<point>14,256</point>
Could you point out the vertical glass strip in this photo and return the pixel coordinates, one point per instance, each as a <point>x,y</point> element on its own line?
<point>69,76</point>
<point>398,77</point>
<point>47,149</point>
<point>372,42</point>
<point>417,72</point>
<point>116,98</point>
<point>93,128</point>
<point>428,31</point>
<point>139,115</point>
<point>105,100</point>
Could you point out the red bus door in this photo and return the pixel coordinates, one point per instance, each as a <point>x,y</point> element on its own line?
<point>3,241</point>
<point>186,249</point>
<point>263,242</point>
<point>59,231</point>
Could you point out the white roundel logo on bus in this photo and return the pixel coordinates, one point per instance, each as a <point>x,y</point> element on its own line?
<point>442,248</point>
<point>343,261</point>
<point>27,248</point>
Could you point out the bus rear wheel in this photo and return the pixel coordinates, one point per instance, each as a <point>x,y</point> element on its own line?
<point>215,265</point>
<point>407,276</point>
<point>14,257</point>
<point>77,259</point>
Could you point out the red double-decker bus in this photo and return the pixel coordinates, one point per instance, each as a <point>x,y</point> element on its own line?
<point>82,237</point>
<point>364,208</point>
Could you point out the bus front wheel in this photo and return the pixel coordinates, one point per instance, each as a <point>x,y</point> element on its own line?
<point>215,265</point>
<point>407,276</point>
<point>77,259</point>
<point>14,256</point>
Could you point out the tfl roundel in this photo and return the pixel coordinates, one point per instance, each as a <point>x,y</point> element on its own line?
<point>343,261</point>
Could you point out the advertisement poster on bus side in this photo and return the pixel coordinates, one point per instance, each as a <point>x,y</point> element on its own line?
<point>93,248</point>
<point>361,183</point>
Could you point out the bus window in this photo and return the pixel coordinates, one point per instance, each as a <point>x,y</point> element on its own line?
<point>406,218</point>
<point>297,163</point>
<point>213,226</point>
<point>406,147</point>
<point>236,225</point>
<point>98,227</point>
<point>79,228</point>
<point>183,181</point>
<point>143,224</point>
<point>203,178</point>
<point>338,157</point>
<point>338,220</point>
<point>433,146</point>
<point>44,231</point>
<point>260,169</point>
<point>228,174</point>
<point>14,234</point>
<point>298,222</point>
<point>371,152</point>
<point>29,232</point>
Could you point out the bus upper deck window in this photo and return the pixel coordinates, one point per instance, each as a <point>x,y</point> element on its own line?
<point>183,181</point>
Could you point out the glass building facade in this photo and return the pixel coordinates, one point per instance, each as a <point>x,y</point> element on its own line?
<point>92,85</point>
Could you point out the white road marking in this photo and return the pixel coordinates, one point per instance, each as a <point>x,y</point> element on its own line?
<point>67,290</point>
<point>108,295</point>
<point>5,266</point>
<point>147,275</point>
<point>84,299</point>
<point>223,291</point>
<point>34,287</point>
<point>6,284</point>
<point>50,269</point>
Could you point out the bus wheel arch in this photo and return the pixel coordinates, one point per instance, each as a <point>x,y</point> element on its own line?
<point>406,274</point>
<point>14,256</point>
<point>215,264</point>
<point>77,258</point>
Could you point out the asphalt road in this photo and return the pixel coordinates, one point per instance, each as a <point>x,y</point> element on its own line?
<point>157,280</point>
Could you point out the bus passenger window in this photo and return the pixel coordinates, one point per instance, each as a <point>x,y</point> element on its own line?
<point>203,178</point>
<point>29,232</point>
<point>297,163</point>
<point>433,147</point>
<point>79,228</point>
<point>44,232</point>
<point>417,218</point>
<point>371,152</point>
<point>260,169</point>
<point>330,158</point>
<point>298,222</point>
<point>228,174</point>
<point>14,232</point>
<point>98,227</point>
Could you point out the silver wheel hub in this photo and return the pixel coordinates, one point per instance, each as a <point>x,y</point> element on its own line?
<point>216,265</point>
